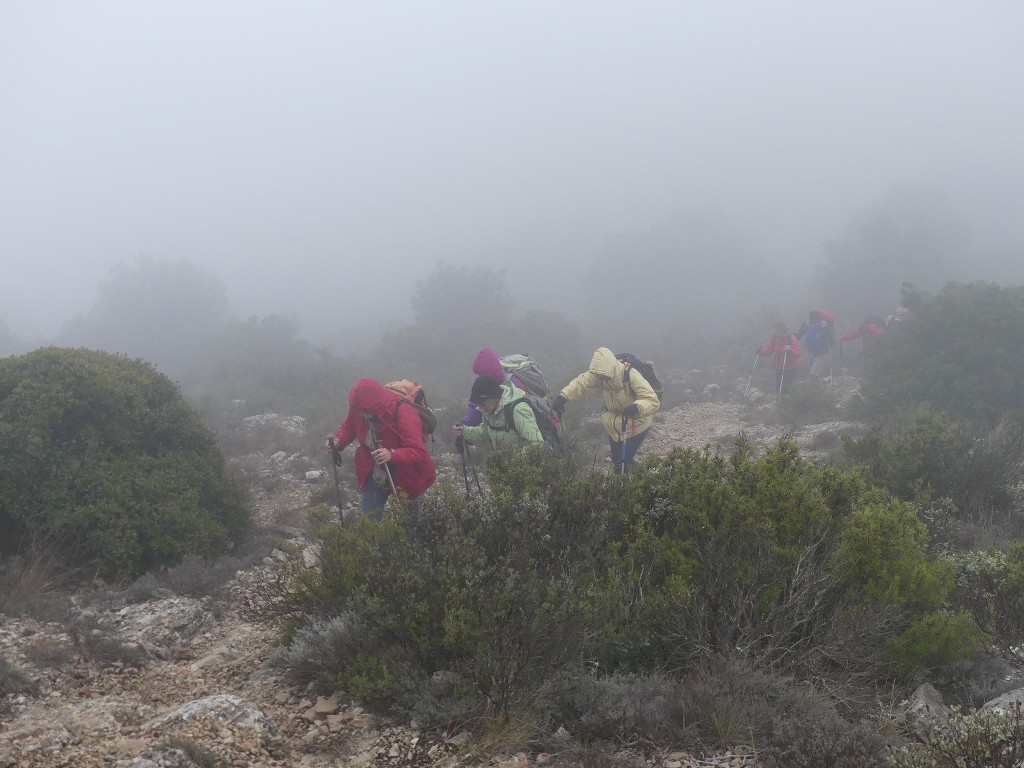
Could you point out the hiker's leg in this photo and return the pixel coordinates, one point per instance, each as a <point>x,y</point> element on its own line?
<point>787,378</point>
<point>375,498</point>
<point>817,361</point>
<point>615,446</point>
<point>632,446</point>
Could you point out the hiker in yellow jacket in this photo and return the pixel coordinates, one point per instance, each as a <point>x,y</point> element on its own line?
<point>629,404</point>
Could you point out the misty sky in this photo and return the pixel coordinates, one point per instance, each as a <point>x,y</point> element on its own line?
<point>319,157</point>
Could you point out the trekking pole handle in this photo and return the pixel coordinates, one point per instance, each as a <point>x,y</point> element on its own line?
<point>335,453</point>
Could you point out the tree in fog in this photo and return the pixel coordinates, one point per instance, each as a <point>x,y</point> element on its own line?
<point>166,312</point>
<point>452,297</point>
<point>910,235</point>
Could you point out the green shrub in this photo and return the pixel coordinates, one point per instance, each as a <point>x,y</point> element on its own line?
<point>960,353</point>
<point>101,457</point>
<point>924,456</point>
<point>694,555</point>
<point>501,593</point>
<point>785,562</point>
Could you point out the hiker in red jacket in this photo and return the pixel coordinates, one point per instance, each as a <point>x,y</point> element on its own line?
<point>392,454</point>
<point>786,349</point>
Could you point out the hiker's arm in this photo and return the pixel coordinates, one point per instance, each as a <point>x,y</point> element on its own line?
<point>475,434</point>
<point>526,423</point>
<point>472,417</point>
<point>587,384</point>
<point>646,399</point>
<point>346,431</point>
<point>794,347</point>
<point>410,432</point>
<point>851,335</point>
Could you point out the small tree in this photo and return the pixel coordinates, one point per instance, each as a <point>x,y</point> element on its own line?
<point>101,457</point>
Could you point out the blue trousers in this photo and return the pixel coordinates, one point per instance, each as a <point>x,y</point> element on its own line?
<point>375,498</point>
<point>632,446</point>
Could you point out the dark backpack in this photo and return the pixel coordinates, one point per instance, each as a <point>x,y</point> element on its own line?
<point>645,368</point>
<point>528,372</point>
<point>547,420</point>
<point>412,393</point>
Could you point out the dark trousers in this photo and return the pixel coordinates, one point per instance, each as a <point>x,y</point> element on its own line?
<point>632,446</point>
<point>783,378</point>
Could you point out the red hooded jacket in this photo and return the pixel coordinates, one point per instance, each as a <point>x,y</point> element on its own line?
<point>776,345</point>
<point>399,429</point>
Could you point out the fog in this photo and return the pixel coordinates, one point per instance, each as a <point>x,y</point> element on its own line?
<point>665,162</point>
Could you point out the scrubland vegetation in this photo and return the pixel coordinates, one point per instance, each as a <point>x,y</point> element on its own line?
<point>715,597</point>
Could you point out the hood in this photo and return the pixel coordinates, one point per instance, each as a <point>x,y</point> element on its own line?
<point>488,364</point>
<point>605,365</point>
<point>509,394</point>
<point>369,396</point>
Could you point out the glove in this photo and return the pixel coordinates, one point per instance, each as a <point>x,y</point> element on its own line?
<point>558,404</point>
<point>632,410</point>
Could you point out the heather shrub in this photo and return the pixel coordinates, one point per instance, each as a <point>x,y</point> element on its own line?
<point>990,588</point>
<point>13,680</point>
<point>731,702</point>
<point>318,647</point>
<point>102,458</point>
<point>621,707</point>
<point>981,739</point>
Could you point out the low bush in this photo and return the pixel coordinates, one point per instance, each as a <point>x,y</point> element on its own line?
<point>788,723</point>
<point>13,680</point>
<point>30,583</point>
<point>981,739</point>
<point>808,402</point>
<point>990,587</point>
<point>923,456</point>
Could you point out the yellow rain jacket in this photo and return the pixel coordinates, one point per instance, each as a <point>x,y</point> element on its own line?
<point>606,377</point>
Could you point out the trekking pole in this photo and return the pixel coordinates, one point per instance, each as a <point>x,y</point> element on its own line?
<point>782,372</point>
<point>623,465</point>
<point>476,477</point>
<point>461,445</point>
<point>335,463</point>
<point>387,471</point>
<point>756,356</point>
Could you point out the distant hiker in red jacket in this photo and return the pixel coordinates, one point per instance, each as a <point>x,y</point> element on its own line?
<point>786,349</point>
<point>391,449</point>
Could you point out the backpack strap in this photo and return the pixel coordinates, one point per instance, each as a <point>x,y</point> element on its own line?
<point>626,383</point>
